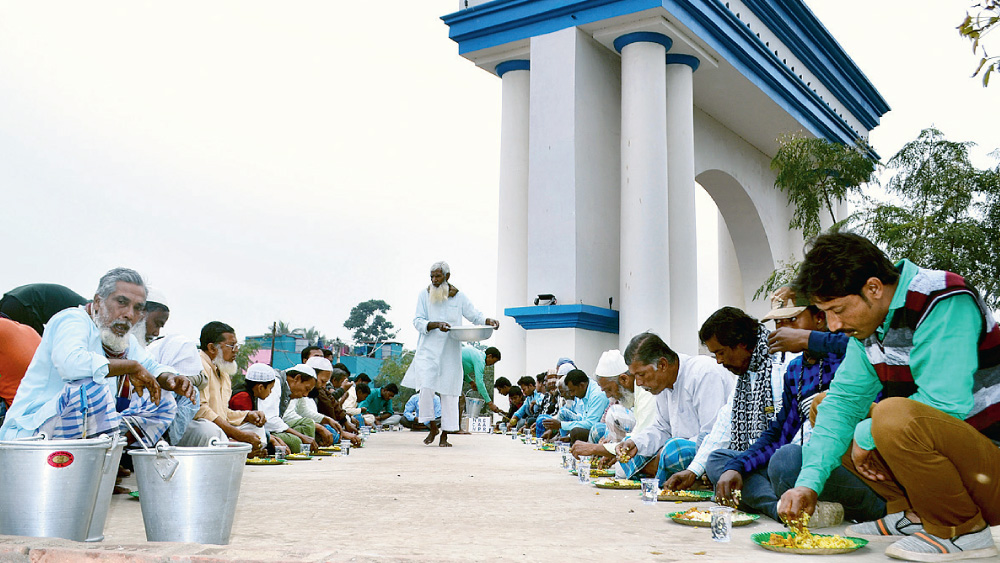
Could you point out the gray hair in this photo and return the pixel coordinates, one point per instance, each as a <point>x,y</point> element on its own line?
<point>109,281</point>
<point>647,348</point>
<point>443,266</point>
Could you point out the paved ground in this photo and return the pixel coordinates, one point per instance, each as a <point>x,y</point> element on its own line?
<point>488,498</point>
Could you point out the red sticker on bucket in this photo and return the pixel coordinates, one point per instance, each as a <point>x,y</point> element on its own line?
<point>60,459</point>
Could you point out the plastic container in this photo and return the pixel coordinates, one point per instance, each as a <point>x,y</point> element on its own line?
<point>50,487</point>
<point>198,503</point>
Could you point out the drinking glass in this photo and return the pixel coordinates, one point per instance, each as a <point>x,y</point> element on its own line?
<point>304,449</point>
<point>650,490</point>
<point>722,522</point>
<point>583,469</point>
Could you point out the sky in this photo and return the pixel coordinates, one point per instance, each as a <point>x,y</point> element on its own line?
<point>261,161</point>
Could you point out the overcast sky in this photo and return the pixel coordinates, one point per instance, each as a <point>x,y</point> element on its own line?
<point>259,161</point>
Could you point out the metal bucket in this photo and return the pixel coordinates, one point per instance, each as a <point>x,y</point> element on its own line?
<point>49,487</point>
<point>105,491</point>
<point>198,503</point>
<point>472,406</point>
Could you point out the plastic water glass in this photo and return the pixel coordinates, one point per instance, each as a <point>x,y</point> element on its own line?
<point>722,522</point>
<point>304,449</point>
<point>345,447</point>
<point>279,452</point>
<point>650,490</point>
<point>572,463</point>
<point>583,469</point>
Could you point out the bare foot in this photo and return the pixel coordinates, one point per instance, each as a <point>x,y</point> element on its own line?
<point>433,433</point>
<point>444,440</point>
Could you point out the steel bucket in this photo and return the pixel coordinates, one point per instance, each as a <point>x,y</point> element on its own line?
<point>105,491</point>
<point>49,487</point>
<point>196,504</point>
<point>472,406</point>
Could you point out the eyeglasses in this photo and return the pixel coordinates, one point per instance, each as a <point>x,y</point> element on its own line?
<point>233,347</point>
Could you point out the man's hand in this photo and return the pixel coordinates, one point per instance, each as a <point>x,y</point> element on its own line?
<point>347,384</point>
<point>795,501</point>
<point>278,442</point>
<point>626,450</point>
<point>580,448</point>
<point>178,384</point>
<point>256,418</point>
<point>439,325</point>
<point>493,323</point>
<point>725,490</point>
<point>787,339</point>
<point>490,405</point>
<point>143,380</point>
<point>349,425</point>
<point>513,423</point>
<point>681,481</point>
<point>867,463</point>
<point>551,424</point>
<point>311,442</point>
<point>546,435</point>
<point>248,438</point>
<point>323,436</point>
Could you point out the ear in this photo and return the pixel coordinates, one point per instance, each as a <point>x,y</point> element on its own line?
<point>874,288</point>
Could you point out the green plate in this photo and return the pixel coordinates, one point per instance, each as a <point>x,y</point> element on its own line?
<point>686,496</point>
<point>134,494</point>
<point>739,519</point>
<point>763,538</point>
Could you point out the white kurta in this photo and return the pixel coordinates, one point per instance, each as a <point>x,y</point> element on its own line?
<point>437,363</point>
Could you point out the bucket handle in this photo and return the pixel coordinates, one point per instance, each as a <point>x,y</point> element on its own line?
<point>110,453</point>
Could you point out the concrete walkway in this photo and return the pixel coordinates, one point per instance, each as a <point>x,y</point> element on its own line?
<point>488,498</point>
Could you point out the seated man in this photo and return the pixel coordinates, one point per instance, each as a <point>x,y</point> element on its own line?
<point>805,377</point>
<point>590,404</point>
<point>379,405</point>
<point>525,415</point>
<point>474,364</point>
<point>516,399</point>
<point>301,410</point>
<point>157,313</point>
<point>339,383</point>
<point>355,395</point>
<point>738,342</point>
<point>689,392</point>
<point>214,419</point>
<point>85,361</point>
<point>181,354</point>
<point>929,343</point>
<point>34,304</point>
<point>343,425</point>
<point>18,343</point>
<point>411,412</point>
<point>620,421</point>
<point>276,403</point>
<point>560,405</point>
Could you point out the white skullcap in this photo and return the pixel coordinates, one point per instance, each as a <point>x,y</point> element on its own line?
<point>156,296</point>
<point>303,369</point>
<point>319,364</point>
<point>261,373</point>
<point>611,364</point>
<point>565,368</point>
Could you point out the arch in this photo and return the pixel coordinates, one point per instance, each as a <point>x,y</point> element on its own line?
<point>753,249</point>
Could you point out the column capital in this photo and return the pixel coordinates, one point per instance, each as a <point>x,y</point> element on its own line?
<point>678,59</point>
<point>516,64</point>
<point>643,37</point>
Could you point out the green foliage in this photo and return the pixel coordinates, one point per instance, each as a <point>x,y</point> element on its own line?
<point>785,274</point>
<point>392,371</point>
<point>368,322</point>
<point>816,174</point>
<point>979,20</point>
<point>943,213</point>
<point>247,349</point>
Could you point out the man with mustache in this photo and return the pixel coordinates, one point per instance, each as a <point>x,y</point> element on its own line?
<point>689,392</point>
<point>86,363</point>
<point>214,419</point>
<point>437,363</point>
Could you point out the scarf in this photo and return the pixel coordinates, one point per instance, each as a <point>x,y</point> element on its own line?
<point>753,400</point>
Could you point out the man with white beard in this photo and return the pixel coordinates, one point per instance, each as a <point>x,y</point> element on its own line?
<point>157,315</point>
<point>87,362</point>
<point>214,419</point>
<point>437,363</point>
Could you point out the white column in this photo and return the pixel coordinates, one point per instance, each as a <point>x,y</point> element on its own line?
<point>512,239</point>
<point>644,263</point>
<point>730,276</point>
<point>680,204</point>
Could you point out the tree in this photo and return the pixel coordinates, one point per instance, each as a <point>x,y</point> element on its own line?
<point>247,349</point>
<point>392,371</point>
<point>979,20</point>
<point>368,322</point>
<point>816,174</point>
<point>943,212</point>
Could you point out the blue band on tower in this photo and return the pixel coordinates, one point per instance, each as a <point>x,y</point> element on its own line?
<point>517,64</point>
<point>643,37</point>
<point>678,59</point>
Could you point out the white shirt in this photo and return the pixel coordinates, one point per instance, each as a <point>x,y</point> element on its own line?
<point>271,407</point>
<point>437,363</point>
<point>688,410</point>
<point>721,434</point>
<point>300,408</point>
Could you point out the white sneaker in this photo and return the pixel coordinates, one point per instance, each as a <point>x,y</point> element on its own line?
<point>922,546</point>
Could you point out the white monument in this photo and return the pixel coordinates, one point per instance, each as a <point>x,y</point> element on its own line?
<point>612,111</point>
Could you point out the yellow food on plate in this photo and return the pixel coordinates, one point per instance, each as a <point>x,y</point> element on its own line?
<point>801,537</point>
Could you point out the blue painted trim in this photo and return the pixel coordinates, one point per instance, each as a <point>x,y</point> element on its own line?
<point>503,21</point>
<point>517,64</point>
<point>586,317</point>
<point>643,37</point>
<point>678,59</point>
